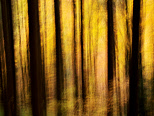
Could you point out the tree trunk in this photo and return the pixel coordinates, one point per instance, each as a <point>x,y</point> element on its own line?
<point>10,91</point>
<point>111,56</point>
<point>82,59</point>
<point>134,78</point>
<point>59,59</point>
<point>38,100</point>
<point>77,56</point>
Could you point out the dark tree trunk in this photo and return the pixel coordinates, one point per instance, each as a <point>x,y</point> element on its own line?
<point>59,59</point>
<point>134,78</point>
<point>38,100</point>
<point>75,51</point>
<point>111,56</point>
<point>82,53</point>
<point>75,58</point>
<point>10,91</point>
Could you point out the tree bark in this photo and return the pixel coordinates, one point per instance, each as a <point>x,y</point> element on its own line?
<point>134,78</point>
<point>10,91</point>
<point>82,59</point>
<point>111,56</point>
<point>59,58</point>
<point>38,100</point>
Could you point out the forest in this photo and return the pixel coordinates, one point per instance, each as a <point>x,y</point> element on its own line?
<point>76,58</point>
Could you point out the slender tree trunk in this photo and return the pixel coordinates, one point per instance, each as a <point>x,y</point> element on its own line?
<point>77,91</point>
<point>134,78</point>
<point>77,58</point>
<point>75,51</point>
<point>10,93</point>
<point>38,100</point>
<point>59,59</point>
<point>82,53</point>
<point>111,56</point>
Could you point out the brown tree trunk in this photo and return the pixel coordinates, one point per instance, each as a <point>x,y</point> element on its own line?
<point>59,59</point>
<point>111,56</point>
<point>82,66</point>
<point>134,78</point>
<point>77,58</point>
<point>38,87</point>
<point>10,91</point>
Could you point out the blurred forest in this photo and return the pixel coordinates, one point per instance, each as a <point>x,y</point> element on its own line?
<point>76,58</point>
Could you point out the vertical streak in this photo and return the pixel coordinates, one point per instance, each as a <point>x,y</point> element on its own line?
<point>111,56</point>
<point>77,54</point>
<point>75,72</point>
<point>44,56</point>
<point>59,59</point>
<point>133,101</point>
<point>83,83</point>
<point>140,73</point>
<point>10,93</point>
<point>20,53</point>
<point>35,60</point>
